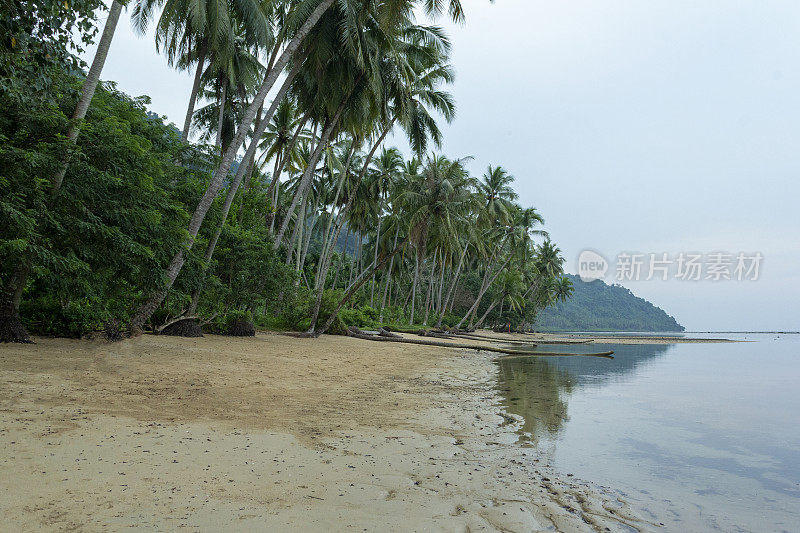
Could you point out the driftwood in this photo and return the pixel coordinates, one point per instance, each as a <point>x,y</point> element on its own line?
<point>478,337</point>
<point>604,355</point>
<point>358,334</point>
<point>168,323</point>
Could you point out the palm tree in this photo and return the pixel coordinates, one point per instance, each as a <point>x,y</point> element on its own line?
<point>89,86</point>
<point>192,31</point>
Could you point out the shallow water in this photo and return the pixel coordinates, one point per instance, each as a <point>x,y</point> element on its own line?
<point>700,437</point>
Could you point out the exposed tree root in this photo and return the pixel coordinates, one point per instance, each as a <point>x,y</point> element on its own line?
<point>112,332</point>
<point>12,330</point>
<point>242,328</point>
<point>184,327</point>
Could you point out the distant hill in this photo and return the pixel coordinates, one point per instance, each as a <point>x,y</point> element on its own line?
<point>597,306</point>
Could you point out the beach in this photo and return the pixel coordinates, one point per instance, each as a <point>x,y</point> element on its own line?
<point>273,431</point>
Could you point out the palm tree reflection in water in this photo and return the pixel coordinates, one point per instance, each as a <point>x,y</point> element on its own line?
<point>538,389</point>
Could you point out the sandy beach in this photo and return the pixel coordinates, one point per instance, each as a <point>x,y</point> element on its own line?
<point>271,432</point>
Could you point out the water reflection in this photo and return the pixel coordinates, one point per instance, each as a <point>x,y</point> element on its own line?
<point>628,358</point>
<point>538,389</point>
<point>702,437</point>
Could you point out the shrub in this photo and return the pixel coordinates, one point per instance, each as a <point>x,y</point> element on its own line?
<point>74,319</point>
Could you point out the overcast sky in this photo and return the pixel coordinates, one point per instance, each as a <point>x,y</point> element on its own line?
<point>657,126</point>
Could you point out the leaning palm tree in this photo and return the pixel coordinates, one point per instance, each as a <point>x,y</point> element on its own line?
<point>89,86</point>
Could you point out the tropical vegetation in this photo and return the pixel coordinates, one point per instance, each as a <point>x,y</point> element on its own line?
<point>278,204</point>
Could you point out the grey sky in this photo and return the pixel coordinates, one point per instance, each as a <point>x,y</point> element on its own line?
<point>658,126</point>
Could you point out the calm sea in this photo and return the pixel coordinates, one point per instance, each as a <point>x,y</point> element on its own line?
<point>699,437</point>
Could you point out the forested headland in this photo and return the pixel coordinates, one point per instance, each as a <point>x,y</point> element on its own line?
<point>278,203</point>
<point>597,306</point>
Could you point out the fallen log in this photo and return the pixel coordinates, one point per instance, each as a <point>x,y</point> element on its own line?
<point>358,334</point>
<point>604,355</point>
<point>475,336</point>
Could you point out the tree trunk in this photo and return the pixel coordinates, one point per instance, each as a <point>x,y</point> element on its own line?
<point>240,172</point>
<point>146,310</point>
<point>330,227</point>
<point>221,116</point>
<point>377,242</point>
<point>365,276</point>
<point>276,173</point>
<point>486,313</point>
<point>297,232</point>
<point>256,137</point>
<point>429,297</point>
<point>414,287</point>
<point>308,174</point>
<point>451,292</point>
<point>306,180</point>
<point>187,123</point>
<point>310,231</point>
<point>481,293</point>
<point>388,275</point>
<point>440,288</point>
<point>89,86</point>
<point>344,211</point>
<point>11,329</point>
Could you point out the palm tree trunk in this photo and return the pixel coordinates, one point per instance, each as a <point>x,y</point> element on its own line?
<point>486,313</point>
<point>377,241</point>
<point>480,295</point>
<point>351,198</point>
<point>240,172</point>
<point>388,276</point>
<point>298,229</point>
<point>326,244</point>
<point>251,160</point>
<point>187,123</point>
<point>310,231</point>
<point>356,286</point>
<point>276,173</point>
<point>414,288</point>
<point>89,86</point>
<point>440,288</point>
<point>308,174</point>
<point>221,172</point>
<point>306,180</point>
<point>453,285</point>
<point>221,116</point>
<point>429,297</point>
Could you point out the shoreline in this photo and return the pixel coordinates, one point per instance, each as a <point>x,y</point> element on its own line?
<point>272,431</point>
<point>600,338</point>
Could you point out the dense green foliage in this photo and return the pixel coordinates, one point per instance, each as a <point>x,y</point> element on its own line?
<point>596,306</point>
<point>297,217</point>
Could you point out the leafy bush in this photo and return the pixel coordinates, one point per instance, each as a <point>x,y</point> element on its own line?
<point>46,316</point>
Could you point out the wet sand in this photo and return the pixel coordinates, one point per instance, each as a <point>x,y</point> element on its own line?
<point>271,432</point>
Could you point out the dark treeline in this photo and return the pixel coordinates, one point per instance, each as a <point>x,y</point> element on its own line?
<point>290,212</point>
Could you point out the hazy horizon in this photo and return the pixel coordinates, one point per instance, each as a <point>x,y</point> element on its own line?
<point>664,127</point>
